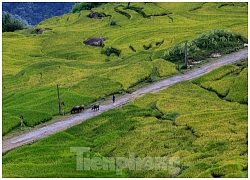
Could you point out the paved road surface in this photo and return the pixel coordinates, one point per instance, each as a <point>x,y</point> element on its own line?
<point>72,120</point>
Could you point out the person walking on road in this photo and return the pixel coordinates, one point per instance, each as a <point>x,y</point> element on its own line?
<point>62,108</point>
<point>113,98</point>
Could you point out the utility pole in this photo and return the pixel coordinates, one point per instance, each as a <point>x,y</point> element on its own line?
<point>59,104</point>
<point>128,5</point>
<point>21,118</point>
<point>186,56</point>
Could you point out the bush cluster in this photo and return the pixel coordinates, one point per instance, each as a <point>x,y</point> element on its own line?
<point>216,40</point>
<point>111,50</point>
<point>85,6</point>
<point>10,25</point>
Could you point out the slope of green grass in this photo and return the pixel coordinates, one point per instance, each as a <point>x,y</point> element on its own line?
<point>59,56</point>
<point>197,134</point>
<point>216,74</point>
<point>239,90</point>
<point>226,83</point>
<point>221,87</point>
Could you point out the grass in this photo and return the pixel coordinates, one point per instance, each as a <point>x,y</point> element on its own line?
<point>187,120</point>
<point>226,83</point>
<point>216,74</point>
<point>34,64</point>
<point>239,92</point>
<point>207,134</point>
<point>221,87</point>
<point>164,68</point>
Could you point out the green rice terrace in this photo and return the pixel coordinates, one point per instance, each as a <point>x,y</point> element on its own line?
<point>198,128</point>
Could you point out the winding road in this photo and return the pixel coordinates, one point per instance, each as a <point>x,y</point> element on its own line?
<point>72,120</point>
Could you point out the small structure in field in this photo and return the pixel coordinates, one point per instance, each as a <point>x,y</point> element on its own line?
<point>96,41</point>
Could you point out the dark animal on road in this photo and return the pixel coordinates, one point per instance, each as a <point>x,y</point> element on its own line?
<point>95,107</point>
<point>82,107</point>
<point>75,109</point>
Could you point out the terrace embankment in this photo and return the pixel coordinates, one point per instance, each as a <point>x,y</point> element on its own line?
<point>69,121</point>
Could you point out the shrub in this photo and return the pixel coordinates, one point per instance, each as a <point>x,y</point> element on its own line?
<point>10,25</point>
<point>85,6</point>
<point>115,51</point>
<point>215,40</point>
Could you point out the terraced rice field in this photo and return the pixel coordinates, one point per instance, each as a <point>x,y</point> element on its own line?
<point>198,127</point>
<point>202,134</point>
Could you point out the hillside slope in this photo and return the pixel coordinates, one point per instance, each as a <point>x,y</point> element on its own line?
<point>10,143</point>
<point>192,129</point>
<point>33,64</point>
<point>182,131</point>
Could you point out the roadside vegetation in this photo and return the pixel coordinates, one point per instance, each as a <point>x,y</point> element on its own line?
<point>213,41</point>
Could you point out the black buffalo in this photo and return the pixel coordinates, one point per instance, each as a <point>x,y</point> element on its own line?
<point>95,107</point>
<point>75,109</point>
<point>82,107</point>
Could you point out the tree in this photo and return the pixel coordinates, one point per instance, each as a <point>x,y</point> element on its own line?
<point>10,25</point>
<point>85,6</point>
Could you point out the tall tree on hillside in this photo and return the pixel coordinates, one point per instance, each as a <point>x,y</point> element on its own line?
<point>9,24</point>
<point>85,6</point>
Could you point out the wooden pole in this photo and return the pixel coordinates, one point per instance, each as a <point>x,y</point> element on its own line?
<point>21,118</point>
<point>186,56</point>
<point>59,104</point>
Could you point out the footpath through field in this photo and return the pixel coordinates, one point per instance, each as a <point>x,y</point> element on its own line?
<point>72,120</point>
